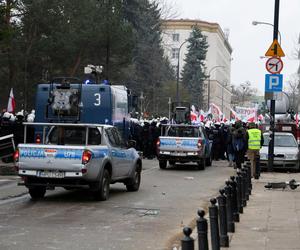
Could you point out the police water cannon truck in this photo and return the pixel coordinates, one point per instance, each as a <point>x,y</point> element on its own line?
<point>69,100</point>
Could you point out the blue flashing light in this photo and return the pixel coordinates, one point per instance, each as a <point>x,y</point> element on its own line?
<point>106,82</point>
<point>87,81</point>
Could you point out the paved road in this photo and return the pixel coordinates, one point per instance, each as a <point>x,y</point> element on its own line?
<point>147,219</point>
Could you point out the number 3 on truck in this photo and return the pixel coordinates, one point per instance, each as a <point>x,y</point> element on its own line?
<point>98,99</point>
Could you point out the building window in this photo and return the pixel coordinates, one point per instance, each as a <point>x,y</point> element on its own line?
<point>175,37</point>
<point>175,53</point>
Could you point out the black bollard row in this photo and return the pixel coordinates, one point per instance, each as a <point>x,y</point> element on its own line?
<point>187,243</point>
<point>202,226</point>
<point>231,201</point>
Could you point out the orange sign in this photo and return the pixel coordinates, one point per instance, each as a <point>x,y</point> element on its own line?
<point>275,50</point>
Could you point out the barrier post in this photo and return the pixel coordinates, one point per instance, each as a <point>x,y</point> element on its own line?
<point>230,223</point>
<point>224,239</point>
<point>236,215</point>
<point>202,226</point>
<point>214,225</point>
<point>239,192</point>
<point>187,243</point>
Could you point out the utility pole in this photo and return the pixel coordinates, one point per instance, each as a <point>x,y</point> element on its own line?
<point>169,102</point>
<point>272,101</point>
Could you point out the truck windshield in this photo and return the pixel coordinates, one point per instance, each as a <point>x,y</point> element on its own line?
<point>73,136</point>
<point>183,131</point>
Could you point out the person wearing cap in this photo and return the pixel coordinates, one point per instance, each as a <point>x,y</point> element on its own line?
<point>255,141</point>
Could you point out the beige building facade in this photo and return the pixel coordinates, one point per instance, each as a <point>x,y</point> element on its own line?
<point>218,58</point>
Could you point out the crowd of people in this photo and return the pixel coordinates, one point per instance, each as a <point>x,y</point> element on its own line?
<point>13,123</point>
<point>232,141</point>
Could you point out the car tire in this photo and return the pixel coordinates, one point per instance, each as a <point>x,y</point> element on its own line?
<point>102,192</point>
<point>135,181</point>
<point>201,164</point>
<point>172,162</point>
<point>37,193</point>
<point>208,161</point>
<point>162,164</point>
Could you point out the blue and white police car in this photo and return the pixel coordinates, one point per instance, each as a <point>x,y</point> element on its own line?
<point>77,156</point>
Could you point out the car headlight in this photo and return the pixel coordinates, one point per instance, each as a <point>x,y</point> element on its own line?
<point>263,156</point>
<point>291,156</point>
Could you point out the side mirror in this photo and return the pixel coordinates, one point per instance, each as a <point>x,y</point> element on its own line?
<point>131,144</point>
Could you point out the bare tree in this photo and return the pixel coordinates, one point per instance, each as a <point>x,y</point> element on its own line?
<point>242,93</point>
<point>167,8</point>
<point>292,90</point>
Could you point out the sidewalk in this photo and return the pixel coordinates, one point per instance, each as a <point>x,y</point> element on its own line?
<point>271,219</point>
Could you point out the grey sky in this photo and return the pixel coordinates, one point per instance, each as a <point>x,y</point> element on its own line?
<point>249,42</point>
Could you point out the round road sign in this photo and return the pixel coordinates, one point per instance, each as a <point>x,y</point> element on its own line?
<point>274,65</point>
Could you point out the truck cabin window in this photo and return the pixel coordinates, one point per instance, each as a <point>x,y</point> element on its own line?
<point>183,131</point>
<point>73,136</point>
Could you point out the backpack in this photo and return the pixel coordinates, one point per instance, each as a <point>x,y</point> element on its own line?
<point>238,144</point>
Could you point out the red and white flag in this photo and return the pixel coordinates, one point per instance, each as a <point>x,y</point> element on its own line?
<point>260,117</point>
<point>251,119</point>
<point>11,102</point>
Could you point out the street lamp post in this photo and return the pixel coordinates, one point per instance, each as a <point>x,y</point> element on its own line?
<point>224,84</point>
<point>208,87</point>
<point>270,24</point>
<point>177,78</point>
<point>169,103</point>
<point>142,99</point>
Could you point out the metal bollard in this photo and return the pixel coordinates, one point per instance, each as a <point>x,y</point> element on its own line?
<point>245,170</point>
<point>236,214</point>
<point>249,180</point>
<point>202,231</point>
<point>230,222</point>
<point>224,239</point>
<point>244,200</point>
<point>214,225</point>
<point>257,167</point>
<point>187,243</point>
<point>239,192</point>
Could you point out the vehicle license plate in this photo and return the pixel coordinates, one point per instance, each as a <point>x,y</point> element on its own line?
<point>179,154</point>
<point>286,129</point>
<point>50,174</point>
<point>278,161</point>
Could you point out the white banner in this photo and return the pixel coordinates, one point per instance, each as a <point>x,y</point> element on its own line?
<point>246,113</point>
